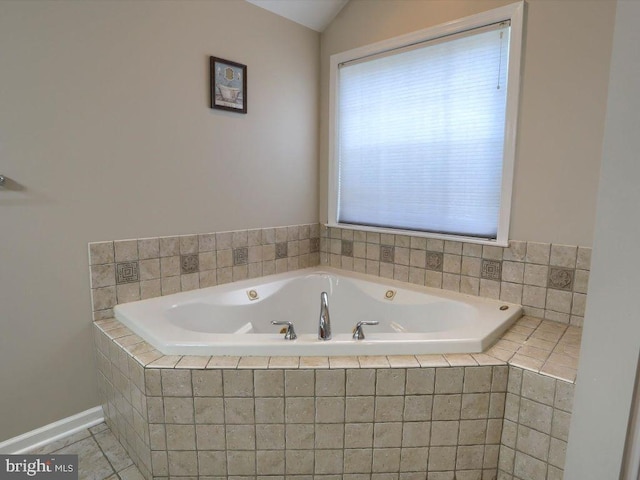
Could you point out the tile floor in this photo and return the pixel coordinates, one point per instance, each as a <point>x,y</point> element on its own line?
<point>100,455</point>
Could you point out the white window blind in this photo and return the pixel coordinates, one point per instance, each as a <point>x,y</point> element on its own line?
<point>421,134</point>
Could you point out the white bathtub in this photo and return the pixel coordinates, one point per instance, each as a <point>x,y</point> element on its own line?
<point>235,318</point>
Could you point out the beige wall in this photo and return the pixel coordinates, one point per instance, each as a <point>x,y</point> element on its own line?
<point>567,49</point>
<point>105,124</point>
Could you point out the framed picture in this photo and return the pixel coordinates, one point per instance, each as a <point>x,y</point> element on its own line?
<point>228,85</point>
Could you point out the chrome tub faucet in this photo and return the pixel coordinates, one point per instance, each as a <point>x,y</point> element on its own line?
<point>324,325</point>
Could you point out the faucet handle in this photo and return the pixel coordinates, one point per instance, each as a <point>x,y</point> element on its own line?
<point>358,333</point>
<point>290,334</point>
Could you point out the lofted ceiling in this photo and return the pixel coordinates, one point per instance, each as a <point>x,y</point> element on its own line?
<point>315,14</point>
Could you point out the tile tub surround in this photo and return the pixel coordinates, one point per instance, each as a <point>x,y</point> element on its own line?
<point>549,280</point>
<point>396,417</point>
<point>129,270</point>
<point>536,427</point>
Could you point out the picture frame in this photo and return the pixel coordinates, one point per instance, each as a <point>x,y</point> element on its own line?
<point>228,85</point>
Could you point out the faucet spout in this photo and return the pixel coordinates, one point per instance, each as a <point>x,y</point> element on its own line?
<point>324,325</point>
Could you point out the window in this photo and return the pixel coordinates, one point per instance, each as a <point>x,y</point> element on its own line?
<point>423,135</point>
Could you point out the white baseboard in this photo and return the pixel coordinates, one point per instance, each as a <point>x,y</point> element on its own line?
<point>54,431</point>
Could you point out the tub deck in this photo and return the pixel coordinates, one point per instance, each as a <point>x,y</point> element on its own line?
<point>541,346</point>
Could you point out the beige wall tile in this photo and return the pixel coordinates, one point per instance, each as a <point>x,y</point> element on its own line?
<point>417,407</point>
<point>269,410</point>
<point>533,443</point>
<point>101,252</point>
<point>207,383</point>
<point>472,432</point>
<point>446,407</point>
<point>237,383</point>
<point>176,383</point>
<point>182,463</point>
<point>471,250</point>
<point>386,460</point>
<point>270,437</point>
<point>330,383</point>
<point>170,285</point>
<point>538,253</point>
<point>300,436</point>
<point>359,409</point>
<point>125,250</point>
<point>558,301</point>
<point>469,285</point>
<point>240,437</point>
<point>388,409</point>
<point>415,434</point>
<point>420,381</point>
<point>470,266</point>
<point>128,292</point>
<point>210,437</point>
<point>387,434</point>
<point>208,410</point>
<point>241,463</point>
<point>442,458</point>
<point>506,460</point>
<point>475,406</point>
<point>449,380</point>
<point>269,383</point>
<point>451,282</point>
<point>178,410</point>
<point>169,246</point>
<point>539,388</point>
<point>300,410</point>
<point>358,461</point>
<point>330,409</point>
<point>358,435</point>
<point>181,437</point>
<point>299,462</point>
<point>444,432</point>
<point>328,461</point>
<point>529,467</point>
<point>560,425</point>
<point>390,381</point>
<point>103,275</point>
<point>477,379</point>
<point>299,383</point>
<point>239,411</point>
<point>470,457</point>
<point>563,256</point>
<point>536,415</point>
<point>270,462</point>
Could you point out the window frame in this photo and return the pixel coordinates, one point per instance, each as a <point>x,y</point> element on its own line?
<point>513,13</point>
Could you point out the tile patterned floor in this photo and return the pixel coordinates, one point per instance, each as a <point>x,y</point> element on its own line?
<point>100,455</point>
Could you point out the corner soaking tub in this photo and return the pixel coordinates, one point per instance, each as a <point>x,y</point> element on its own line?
<point>235,318</point>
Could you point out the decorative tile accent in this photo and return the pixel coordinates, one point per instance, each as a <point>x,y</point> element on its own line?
<point>387,253</point>
<point>491,269</point>
<point>189,263</point>
<point>314,245</point>
<point>347,248</point>
<point>151,267</point>
<point>281,249</point>
<point>240,256</point>
<point>560,278</point>
<point>478,270</point>
<point>434,261</point>
<point>127,272</point>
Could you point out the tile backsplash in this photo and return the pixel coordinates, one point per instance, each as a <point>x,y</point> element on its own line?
<point>549,280</point>
<point>128,270</point>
